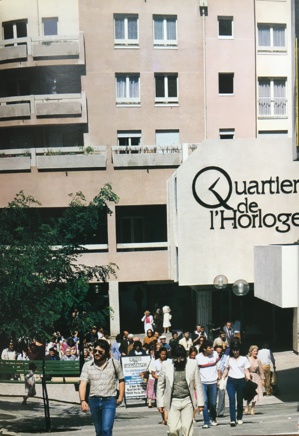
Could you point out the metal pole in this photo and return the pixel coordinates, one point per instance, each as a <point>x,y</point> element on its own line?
<point>46,399</point>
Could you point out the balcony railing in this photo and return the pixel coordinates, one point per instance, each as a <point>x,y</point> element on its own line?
<point>42,48</point>
<point>35,107</point>
<point>53,159</point>
<point>147,156</point>
<point>272,107</point>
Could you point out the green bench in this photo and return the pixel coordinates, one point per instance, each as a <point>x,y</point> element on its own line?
<point>54,369</point>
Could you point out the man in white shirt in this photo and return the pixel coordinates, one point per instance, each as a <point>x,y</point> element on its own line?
<point>186,341</point>
<point>266,357</point>
<point>207,362</point>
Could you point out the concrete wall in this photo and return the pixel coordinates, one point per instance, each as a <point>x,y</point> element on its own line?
<point>235,55</point>
<point>206,250</point>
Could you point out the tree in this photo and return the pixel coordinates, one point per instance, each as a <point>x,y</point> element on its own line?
<point>41,277</point>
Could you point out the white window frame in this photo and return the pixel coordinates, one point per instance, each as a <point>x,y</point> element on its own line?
<point>44,19</point>
<point>126,41</point>
<point>14,27</point>
<point>226,133</point>
<point>271,47</point>
<point>274,104</point>
<point>226,18</point>
<point>165,42</point>
<point>129,134</point>
<point>166,99</point>
<point>127,99</point>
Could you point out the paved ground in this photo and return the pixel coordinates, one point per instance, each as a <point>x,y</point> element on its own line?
<point>274,415</point>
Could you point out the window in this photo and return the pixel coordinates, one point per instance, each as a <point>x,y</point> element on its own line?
<point>126,137</point>
<point>141,224</point>
<point>15,29</point>
<point>272,36</point>
<point>167,137</point>
<point>165,31</point>
<point>226,133</point>
<point>127,89</point>
<point>225,27</point>
<point>18,87</point>
<point>125,30</point>
<point>166,88</point>
<point>50,26</point>
<point>226,83</point>
<point>272,98</point>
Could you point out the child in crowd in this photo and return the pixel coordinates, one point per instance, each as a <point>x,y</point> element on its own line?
<point>30,382</point>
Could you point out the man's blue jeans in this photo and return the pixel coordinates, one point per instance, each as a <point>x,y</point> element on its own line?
<point>235,386</point>
<point>210,395</point>
<point>102,410</point>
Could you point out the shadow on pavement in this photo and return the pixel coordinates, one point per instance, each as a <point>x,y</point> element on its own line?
<point>288,385</point>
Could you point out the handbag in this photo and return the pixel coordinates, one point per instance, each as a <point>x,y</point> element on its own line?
<point>273,378</point>
<point>222,384</point>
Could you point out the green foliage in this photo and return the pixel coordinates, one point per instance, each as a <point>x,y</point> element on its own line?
<point>41,281</point>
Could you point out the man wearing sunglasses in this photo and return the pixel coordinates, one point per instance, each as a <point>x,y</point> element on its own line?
<point>103,375</point>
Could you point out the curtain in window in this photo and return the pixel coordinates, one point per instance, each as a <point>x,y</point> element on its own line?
<point>119,28</point>
<point>158,28</point>
<point>134,87</point>
<point>121,86</point>
<point>132,28</point>
<point>264,97</point>
<point>280,97</point>
<point>279,36</point>
<point>171,28</point>
<point>263,35</point>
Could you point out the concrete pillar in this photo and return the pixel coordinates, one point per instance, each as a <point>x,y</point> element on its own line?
<point>203,306</point>
<point>114,304</point>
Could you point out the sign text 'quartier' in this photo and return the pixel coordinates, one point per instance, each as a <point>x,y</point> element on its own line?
<point>247,214</point>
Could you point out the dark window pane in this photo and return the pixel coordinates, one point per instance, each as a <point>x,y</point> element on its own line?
<point>160,92</point>
<point>22,29</point>
<point>226,83</point>
<point>8,31</point>
<point>225,27</point>
<point>172,86</point>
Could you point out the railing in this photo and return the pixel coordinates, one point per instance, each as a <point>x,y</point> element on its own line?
<point>128,149</point>
<point>272,107</point>
<point>46,105</point>
<point>71,46</point>
<point>53,158</point>
<point>143,156</point>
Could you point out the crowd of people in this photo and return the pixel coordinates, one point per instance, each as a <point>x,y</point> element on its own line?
<point>185,375</point>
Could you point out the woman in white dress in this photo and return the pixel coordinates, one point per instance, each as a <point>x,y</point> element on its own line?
<point>148,321</point>
<point>166,318</point>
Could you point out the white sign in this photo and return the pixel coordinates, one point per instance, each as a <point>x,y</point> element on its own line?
<point>227,198</point>
<point>132,367</point>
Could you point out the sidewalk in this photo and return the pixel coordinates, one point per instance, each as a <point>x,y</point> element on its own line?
<point>274,415</point>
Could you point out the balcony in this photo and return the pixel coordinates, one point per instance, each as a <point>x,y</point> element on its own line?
<point>55,159</point>
<point>140,156</point>
<point>15,160</point>
<point>42,51</point>
<point>71,158</point>
<point>43,109</point>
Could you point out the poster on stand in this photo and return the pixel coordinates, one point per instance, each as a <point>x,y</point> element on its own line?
<point>135,390</point>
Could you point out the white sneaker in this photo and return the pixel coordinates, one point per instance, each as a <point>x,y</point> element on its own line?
<point>214,423</point>
<point>232,424</point>
<point>240,422</point>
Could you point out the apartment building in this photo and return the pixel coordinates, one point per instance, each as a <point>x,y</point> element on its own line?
<point>124,92</point>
